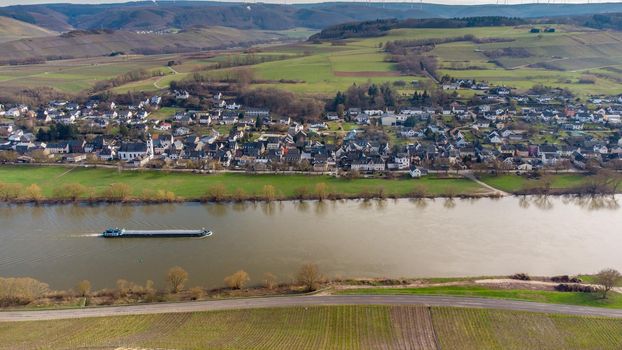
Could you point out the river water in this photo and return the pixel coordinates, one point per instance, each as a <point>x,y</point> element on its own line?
<point>58,244</point>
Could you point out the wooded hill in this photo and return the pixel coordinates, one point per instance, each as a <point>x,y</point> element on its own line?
<point>147,15</point>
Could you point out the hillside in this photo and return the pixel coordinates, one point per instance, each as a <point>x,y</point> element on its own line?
<point>11,29</point>
<point>164,15</point>
<point>80,44</point>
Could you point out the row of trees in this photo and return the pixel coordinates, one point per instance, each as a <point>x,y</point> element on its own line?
<point>365,96</point>
<point>280,102</point>
<point>58,132</point>
<point>116,192</point>
<point>308,277</point>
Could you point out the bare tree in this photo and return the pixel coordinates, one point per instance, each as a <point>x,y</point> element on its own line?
<point>607,279</point>
<point>238,280</point>
<point>176,277</point>
<point>269,280</point>
<point>83,288</point>
<point>309,276</point>
<point>321,190</point>
<point>33,193</point>
<point>216,193</point>
<point>269,193</point>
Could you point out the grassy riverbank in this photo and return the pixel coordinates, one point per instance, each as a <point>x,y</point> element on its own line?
<point>191,186</point>
<point>516,183</point>
<point>322,327</point>
<point>614,300</point>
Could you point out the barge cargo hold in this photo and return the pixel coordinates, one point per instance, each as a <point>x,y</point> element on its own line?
<point>123,233</point>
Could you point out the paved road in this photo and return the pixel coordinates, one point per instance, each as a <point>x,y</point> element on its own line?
<point>8,316</point>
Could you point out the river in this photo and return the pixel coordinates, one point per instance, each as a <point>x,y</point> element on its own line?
<point>58,244</point>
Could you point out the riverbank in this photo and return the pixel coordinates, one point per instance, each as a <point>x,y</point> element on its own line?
<point>566,290</point>
<point>56,184</point>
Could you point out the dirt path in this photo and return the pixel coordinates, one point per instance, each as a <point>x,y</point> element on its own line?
<point>496,191</point>
<point>157,82</point>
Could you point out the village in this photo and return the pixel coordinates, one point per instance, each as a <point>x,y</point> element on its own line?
<point>501,131</point>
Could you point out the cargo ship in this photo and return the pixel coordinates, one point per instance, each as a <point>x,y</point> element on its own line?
<point>123,233</point>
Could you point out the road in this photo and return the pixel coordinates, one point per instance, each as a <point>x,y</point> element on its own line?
<point>12,316</point>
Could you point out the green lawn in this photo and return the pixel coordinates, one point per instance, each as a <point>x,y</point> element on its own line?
<point>515,183</point>
<point>193,186</point>
<point>571,298</point>
<point>325,327</point>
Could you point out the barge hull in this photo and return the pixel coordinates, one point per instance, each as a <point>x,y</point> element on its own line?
<point>160,234</point>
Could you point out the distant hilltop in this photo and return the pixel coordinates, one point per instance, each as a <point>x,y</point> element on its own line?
<point>163,15</point>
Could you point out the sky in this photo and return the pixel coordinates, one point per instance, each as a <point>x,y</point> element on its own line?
<point>449,2</point>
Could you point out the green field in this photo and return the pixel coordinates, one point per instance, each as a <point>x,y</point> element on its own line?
<point>514,183</point>
<point>569,298</point>
<point>194,186</point>
<point>326,327</point>
<point>573,52</point>
<point>571,56</point>
<point>78,75</point>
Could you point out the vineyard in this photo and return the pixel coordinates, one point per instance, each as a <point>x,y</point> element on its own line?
<point>325,327</point>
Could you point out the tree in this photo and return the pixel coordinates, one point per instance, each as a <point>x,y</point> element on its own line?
<point>71,191</point>
<point>269,193</point>
<point>607,279</point>
<point>217,192</point>
<point>309,276</point>
<point>34,193</point>
<point>269,280</point>
<point>321,190</point>
<point>118,191</point>
<point>196,293</point>
<point>238,280</point>
<point>176,277</point>
<point>10,191</point>
<point>83,288</point>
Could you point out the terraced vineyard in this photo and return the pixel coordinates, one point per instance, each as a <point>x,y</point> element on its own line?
<point>326,327</point>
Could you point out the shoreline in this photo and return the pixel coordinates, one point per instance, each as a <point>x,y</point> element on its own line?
<point>256,200</point>
<point>48,185</point>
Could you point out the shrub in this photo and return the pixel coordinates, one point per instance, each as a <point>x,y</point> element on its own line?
<point>321,190</point>
<point>33,193</point>
<point>83,288</point>
<point>269,193</point>
<point>10,191</point>
<point>521,277</point>
<point>269,280</point>
<point>176,277</point>
<point>117,192</point>
<point>21,290</point>
<point>70,191</point>
<point>196,293</point>
<point>216,193</point>
<point>240,195</point>
<point>563,287</point>
<point>301,192</point>
<point>238,280</point>
<point>565,279</point>
<point>309,276</point>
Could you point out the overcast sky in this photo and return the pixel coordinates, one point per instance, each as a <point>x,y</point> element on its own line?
<point>461,2</point>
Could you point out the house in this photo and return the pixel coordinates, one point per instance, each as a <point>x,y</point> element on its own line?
<point>58,147</point>
<point>133,150</point>
<point>368,164</point>
<point>416,173</point>
<point>182,95</point>
<point>256,112</point>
